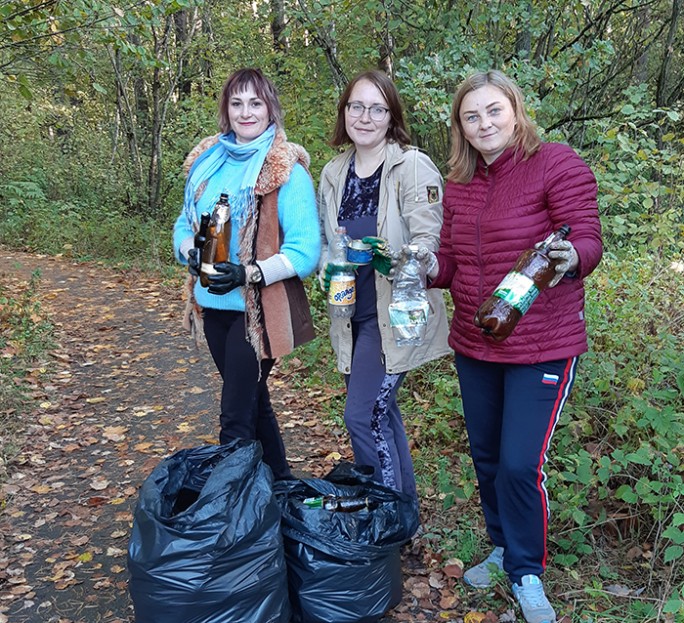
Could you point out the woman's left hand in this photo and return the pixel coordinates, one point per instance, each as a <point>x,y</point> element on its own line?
<point>563,251</point>
<point>382,254</point>
<point>232,276</point>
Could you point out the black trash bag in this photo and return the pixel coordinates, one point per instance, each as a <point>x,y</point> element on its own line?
<point>344,567</point>
<point>206,545</point>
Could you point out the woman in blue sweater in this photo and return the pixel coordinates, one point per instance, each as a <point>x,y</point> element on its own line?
<point>255,308</point>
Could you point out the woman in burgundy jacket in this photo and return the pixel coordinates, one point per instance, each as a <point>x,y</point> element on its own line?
<point>507,191</point>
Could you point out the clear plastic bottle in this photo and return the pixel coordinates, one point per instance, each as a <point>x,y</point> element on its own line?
<point>408,311</point>
<point>342,293</point>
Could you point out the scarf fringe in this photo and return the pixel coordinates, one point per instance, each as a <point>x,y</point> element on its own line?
<point>193,314</point>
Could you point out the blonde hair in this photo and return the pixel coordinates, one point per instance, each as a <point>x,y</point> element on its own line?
<point>463,158</point>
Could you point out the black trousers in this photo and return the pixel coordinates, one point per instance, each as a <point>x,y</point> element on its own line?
<point>246,410</point>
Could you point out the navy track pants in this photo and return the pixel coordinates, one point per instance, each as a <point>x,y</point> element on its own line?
<point>511,411</point>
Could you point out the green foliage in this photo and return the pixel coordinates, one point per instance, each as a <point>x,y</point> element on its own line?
<point>25,338</point>
<point>620,438</point>
<point>84,232</point>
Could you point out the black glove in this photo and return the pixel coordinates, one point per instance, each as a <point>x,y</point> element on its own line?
<point>194,261</point>
<point>231,277</point>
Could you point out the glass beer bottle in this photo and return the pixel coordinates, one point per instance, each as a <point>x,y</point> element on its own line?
<point>340,504</point>
<point>217,246</point>
<point>532,273</point>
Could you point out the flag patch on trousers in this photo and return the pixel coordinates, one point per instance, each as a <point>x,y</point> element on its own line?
<point>550,379</point>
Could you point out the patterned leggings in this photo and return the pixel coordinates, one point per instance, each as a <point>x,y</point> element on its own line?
<point>372,414</point>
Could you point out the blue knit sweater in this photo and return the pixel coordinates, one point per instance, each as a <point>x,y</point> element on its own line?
<point>297,215</point>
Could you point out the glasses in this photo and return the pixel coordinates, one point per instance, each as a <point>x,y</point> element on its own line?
<point>376,113</point>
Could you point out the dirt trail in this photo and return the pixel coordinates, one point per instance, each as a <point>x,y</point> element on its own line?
<point>130,389</point>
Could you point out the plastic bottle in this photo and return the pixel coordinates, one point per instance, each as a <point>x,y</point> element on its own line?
<point>342,292</point>
<point>340,504</point>
<point>217,246</point>
<point>532,273</point>
<point>408,311</point>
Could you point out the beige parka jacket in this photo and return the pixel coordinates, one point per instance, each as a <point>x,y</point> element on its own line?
<point>409,212</point>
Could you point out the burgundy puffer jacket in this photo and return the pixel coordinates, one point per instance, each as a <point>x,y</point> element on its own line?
<point>508,207</point>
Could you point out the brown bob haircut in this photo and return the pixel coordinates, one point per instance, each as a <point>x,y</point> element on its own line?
<point>397,128</point>
<point>240,81</point>
<point>463,157</point>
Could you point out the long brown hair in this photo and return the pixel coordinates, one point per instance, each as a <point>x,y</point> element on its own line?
<point>397,128</point>
<point>238,82</point>
<point>463,157</point>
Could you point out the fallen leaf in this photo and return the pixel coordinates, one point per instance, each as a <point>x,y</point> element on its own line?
<point>99,484</point>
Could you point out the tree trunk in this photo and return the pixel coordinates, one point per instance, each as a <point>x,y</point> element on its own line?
<point>181,24</point>
<point>662,97</point>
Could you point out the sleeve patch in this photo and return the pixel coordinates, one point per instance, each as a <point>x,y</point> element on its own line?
<point>433,194</point>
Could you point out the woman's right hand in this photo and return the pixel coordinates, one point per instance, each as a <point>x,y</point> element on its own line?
<point>329,270</point>
<point>194,262</point>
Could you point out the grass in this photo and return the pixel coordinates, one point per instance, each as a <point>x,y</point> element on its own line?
<point>25,340</point>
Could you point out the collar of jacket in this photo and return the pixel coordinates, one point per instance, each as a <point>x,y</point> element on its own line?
<point>277,167</point>
<point>507,160</point>
<point>395,154</point>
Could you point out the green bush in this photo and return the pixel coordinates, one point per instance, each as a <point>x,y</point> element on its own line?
<point>617,468</point>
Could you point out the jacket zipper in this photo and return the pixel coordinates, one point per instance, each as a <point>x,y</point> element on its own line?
<point>480,260</point>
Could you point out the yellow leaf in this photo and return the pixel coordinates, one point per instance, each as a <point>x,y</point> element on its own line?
<point>333,456</point>
<point>93,401</point>
<point>473,617</point>
<point>85,557</point>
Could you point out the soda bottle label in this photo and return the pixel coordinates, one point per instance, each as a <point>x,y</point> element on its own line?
<point>518,291</point>
<point>316,502</point>
<point>408,320</point>
<point>342,290</point>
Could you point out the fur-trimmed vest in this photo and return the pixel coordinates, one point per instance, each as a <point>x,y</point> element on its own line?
<point>277,316</point>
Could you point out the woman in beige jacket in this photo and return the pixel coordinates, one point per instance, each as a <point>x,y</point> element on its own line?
<point>386,190</point>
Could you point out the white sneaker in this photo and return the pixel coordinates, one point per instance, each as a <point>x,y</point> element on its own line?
<point>533,602</point>
<point>480,576</point>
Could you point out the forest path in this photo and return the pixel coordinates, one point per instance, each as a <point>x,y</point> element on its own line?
<point>129,389</point>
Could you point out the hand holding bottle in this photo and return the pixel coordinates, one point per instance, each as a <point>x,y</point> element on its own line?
<point>229,277</point>
<point>330,269</point>
<point>194,261</point>
<point>427,259</point>
<point>563,251</point>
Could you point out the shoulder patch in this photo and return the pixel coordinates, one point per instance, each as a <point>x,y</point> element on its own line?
<point>433,194</point>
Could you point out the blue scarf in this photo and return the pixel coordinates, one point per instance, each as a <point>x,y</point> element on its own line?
<point>253,154</point>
